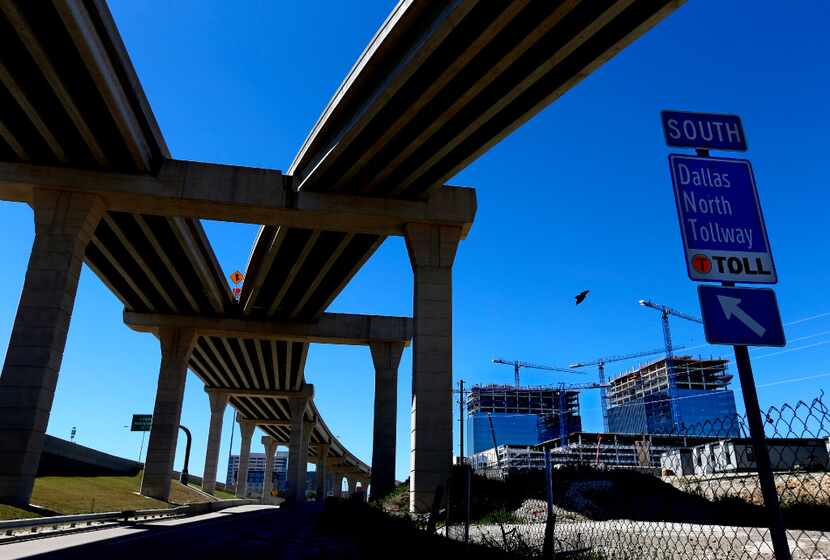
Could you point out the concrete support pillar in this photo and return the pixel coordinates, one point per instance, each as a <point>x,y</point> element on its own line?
<point>268,481</point>
<point>386,356</point>
<point>431,252</point>
<point>246,431</point>
<point>322,471</point>
<point>176,345</point>
<point>336,483</point>
<point>218,402</point>
<point>297,451</point>
<point>365,483</point>
<point>308,428</point>
<point>64,224</point>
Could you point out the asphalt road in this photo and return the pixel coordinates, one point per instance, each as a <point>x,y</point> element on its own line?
<point>241,532</point>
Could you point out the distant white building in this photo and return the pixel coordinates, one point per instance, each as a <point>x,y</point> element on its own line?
<point>256,471</point>
<point>737,455</point>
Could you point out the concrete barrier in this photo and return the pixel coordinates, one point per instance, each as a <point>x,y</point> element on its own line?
<point>197,480</point>
<point>15,529</point>
<point>65,458</point>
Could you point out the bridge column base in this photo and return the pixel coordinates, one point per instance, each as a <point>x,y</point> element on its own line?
<point>64,224</point>
<point>386,357</point>
<point>268,481</point>
<point>337,484</point>
<point>431,252</point>
<point>176,345</point>
<point>297,450</point>
<point>246,432</point>
<point>218,403</point>
<point>322,471</point>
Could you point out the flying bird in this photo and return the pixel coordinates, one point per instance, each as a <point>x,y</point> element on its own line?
<point>580,297</point>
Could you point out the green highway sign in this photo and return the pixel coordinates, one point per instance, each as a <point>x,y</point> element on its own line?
<point>141,422</point>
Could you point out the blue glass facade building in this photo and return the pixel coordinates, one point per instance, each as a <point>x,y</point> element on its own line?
<point>513,429</point>
<point>519,416</point>
<point>699,403</point>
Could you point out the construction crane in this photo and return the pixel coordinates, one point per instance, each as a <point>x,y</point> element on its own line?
<point>665,312</point>
<point>580,386</point>
<point>517,365</point>
<point>600,363</point>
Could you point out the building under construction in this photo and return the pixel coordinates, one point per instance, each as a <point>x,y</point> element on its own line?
<point>616,451</point>
<point>682,396</point>
<point>507,415</point>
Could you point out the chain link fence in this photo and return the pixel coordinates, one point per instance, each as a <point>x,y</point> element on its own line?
<point>696,496</point>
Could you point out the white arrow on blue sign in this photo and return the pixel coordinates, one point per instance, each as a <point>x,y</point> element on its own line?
<point>724,236</point>
<point>741,316</point>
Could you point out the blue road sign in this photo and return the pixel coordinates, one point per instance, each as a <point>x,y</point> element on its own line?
<point>683,129</point>
<point>721,223</point>
<point>740,316</point>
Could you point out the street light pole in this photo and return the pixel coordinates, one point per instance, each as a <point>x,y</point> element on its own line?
<point>230,450</point>
<point>185,478</point>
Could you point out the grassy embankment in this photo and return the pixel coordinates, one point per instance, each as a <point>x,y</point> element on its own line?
<point>64,495</point>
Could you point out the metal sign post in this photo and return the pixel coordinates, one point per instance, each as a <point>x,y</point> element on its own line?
<point>725,239</point>
<point>230,451</point>
<point>141,446</point>
<point>461,457</point>
<point>778,531</point>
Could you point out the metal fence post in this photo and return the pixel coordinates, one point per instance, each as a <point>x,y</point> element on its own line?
<point>451,482</point>
<point>436,508</point>
<point>467,496</point>
<point>547,549</point>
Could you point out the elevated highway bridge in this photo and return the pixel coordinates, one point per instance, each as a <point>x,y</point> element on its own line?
<point>439,84</point>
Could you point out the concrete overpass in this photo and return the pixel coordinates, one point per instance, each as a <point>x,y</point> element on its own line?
<point>439,84</point>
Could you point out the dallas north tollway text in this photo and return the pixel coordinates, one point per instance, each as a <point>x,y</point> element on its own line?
<point>701,226</point>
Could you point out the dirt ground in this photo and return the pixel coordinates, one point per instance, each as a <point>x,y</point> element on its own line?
<point>806,487</point>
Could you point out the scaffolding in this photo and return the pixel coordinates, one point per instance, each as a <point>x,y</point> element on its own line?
<point>689,373</point>
<point>518,400</point>
<point>498,462</point>
<point>588,449</point>
<point>611,450</point>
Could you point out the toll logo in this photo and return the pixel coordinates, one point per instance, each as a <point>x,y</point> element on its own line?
<point>730,267</point>
<point>702,264</point>
<point>741,265</point>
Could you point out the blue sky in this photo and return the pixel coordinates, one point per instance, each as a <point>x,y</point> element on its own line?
<point>578,198</point>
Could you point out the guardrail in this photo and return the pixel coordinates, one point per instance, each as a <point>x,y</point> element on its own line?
<point>17,529</point>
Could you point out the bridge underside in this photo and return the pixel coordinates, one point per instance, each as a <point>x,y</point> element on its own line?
<point>439,84</point>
